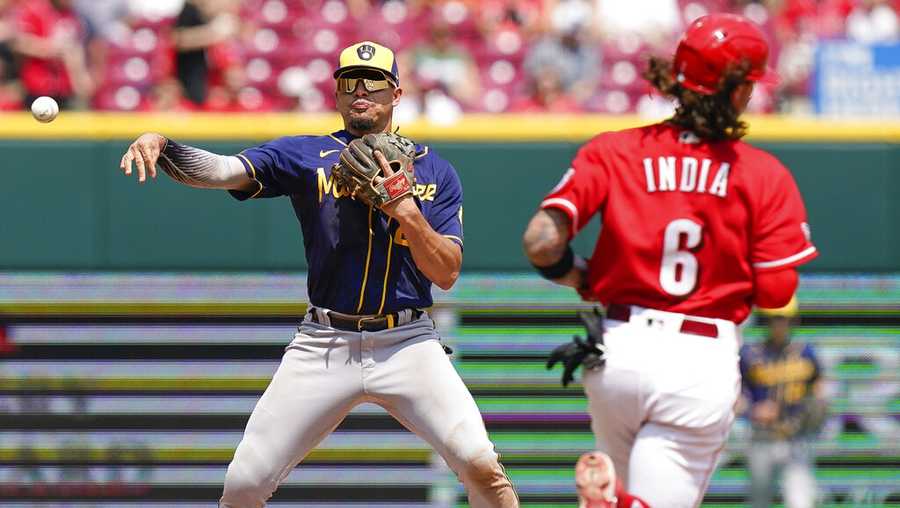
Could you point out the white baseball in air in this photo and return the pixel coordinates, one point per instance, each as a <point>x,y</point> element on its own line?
<point>44,109</point>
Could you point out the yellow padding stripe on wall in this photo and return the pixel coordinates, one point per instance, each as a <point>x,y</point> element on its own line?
<point>473,127</point>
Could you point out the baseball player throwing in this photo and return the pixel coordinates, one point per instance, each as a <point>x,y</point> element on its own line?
<point>697,227</point>
<point>381,220</point>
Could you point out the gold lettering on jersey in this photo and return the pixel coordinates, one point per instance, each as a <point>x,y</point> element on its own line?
<point>687,175</point>
<point>400,238</point>
<point>789,370</point>
<point>327,186</point>
<point>425,192</point>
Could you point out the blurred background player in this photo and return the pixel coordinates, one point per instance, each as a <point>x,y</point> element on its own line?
<point>697,226</point>
<point>782,381</point>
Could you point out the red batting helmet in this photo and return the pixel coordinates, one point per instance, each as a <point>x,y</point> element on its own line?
<point>712,43</point>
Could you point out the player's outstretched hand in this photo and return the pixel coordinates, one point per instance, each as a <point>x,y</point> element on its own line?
<point>143,152</point>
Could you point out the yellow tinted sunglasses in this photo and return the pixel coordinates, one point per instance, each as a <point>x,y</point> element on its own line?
<point>348,84</point>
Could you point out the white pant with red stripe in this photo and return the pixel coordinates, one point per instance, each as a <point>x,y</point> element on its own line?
<point>663,404</point>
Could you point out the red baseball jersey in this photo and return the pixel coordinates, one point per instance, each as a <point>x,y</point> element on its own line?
<point>686,222</point>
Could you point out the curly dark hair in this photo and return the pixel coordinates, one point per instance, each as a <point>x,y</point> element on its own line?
<point>712,116</point>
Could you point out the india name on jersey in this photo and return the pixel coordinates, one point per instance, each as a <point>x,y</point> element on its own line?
<point>685,222</point>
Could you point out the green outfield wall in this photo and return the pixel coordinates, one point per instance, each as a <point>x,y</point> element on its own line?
<point>64,205</point>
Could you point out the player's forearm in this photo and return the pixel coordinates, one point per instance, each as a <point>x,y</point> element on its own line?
<point>546,238</point>
<point>198,168</point>
<point>199,37</point>
<point>546,244</point>
<point>436,256</point>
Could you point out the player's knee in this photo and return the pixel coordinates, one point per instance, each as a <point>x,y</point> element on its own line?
<point>483,469</point>
<point>244,487</point>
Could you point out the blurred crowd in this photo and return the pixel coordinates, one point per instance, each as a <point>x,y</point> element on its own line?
<point>455,56</point>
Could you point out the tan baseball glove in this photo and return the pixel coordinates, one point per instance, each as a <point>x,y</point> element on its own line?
<point>360,172</point>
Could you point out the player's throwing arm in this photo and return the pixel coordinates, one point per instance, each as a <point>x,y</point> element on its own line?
<point>185,164</point>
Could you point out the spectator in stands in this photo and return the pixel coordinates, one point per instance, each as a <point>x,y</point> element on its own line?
<point>201,26</point>
<point>783,384</point>
<point>654,22</point>
<point>50,40</point>
<point>11,98</point>
<point>874,22</point>
<point>101,18</point>
<point>526,16</point>
<point>546,93</point>
<point>7,31</point>
<point>799,25</point>
<point>168,96</point>
<point>10,92</point>
<point>566,49</point>
<point>440,63</point>
<point>817,19</point>
<point>234,96</point>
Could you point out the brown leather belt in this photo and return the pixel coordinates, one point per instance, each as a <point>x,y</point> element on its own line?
<point>354,323</point>
<point>692,326</point>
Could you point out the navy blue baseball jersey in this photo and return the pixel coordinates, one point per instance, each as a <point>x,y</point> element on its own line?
<point>783,375</point>
<point>359,263</point>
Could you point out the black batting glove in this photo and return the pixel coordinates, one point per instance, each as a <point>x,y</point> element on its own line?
<point>590,352</point>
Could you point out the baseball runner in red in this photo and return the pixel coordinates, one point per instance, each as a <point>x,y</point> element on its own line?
<point>698,227</point>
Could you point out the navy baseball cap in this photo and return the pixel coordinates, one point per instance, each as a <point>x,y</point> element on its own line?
<point>368,55</point>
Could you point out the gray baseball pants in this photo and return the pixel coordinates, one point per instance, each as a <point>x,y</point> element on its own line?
<point>325,372</point>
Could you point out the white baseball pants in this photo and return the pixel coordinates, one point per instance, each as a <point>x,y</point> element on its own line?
<point>325,372</point>
<point>663,404</point>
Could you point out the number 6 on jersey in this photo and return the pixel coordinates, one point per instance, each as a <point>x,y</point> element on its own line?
<point>678,272</point>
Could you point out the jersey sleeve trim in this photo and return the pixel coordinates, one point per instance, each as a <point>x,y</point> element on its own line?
<point>455,239</point>
<point>566,206</point>
<point>797,259</point>
<point>332,136</point>
<point>249,165</point>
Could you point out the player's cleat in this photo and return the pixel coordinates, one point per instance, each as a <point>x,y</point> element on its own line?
<point>595,479</point>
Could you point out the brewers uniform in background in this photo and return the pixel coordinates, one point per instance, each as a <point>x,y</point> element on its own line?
<point>697,227</point>
<point>365,337</point>
<point>782,381</point>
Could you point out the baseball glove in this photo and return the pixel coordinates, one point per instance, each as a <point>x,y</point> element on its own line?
<point>808,420</point>
<point>590,352</point>
<point>362,176</point>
